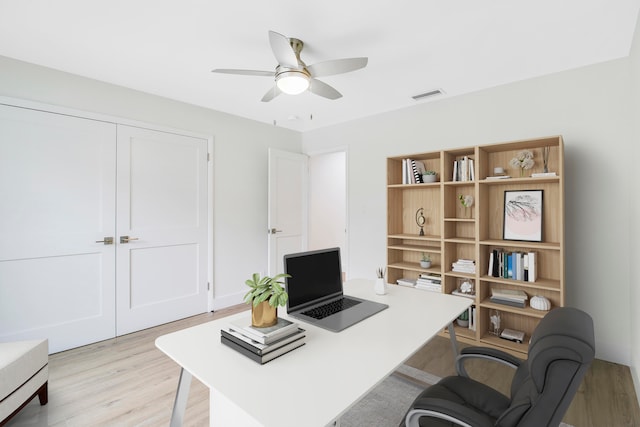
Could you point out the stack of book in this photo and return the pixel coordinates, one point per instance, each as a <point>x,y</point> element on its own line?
<point>406,282</point>
<point>262,344</point>
<point>464,266</point>
<point>429,282</point>
<point>512,297</point>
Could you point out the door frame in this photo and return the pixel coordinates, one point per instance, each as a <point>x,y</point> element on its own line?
<point>39,106</point>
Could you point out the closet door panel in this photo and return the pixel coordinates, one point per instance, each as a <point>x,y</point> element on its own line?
<point>57,187</point>
<point>162,208</point>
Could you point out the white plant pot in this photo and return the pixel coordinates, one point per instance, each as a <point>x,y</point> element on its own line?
<point>462,323</point>
<point>429,178</point>
<point>425,264</point>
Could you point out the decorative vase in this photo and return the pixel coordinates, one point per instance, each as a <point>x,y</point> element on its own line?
<point>263,315</point>
<point>540,303</point>
<point>380,287</point>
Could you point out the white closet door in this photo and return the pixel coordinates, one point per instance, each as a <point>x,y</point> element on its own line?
<point>57,198</point>
<point>162,204</point>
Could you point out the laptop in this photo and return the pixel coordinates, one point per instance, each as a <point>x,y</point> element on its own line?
<point>316,294</point>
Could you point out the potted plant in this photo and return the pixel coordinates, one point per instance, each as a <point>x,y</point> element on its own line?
<point>425,262</point>
<point>463,319</point>
<point>429,176</point>
<point>265,295</point>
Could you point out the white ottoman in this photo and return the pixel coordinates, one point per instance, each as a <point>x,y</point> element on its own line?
<point>24,373</point>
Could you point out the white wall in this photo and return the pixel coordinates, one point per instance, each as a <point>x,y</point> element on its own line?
<point>240,189</point>
<point>634,301</point>
<point>589,107</point>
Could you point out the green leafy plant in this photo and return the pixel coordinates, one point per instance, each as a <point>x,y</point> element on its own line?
<point>426,257</point>
<point>464,315</point>
<point>429,172</point>
<point>266,289</point>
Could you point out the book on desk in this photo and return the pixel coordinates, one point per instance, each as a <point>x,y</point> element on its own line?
<point>262,344</point>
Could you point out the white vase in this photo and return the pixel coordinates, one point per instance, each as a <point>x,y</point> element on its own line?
<point>380,287</point>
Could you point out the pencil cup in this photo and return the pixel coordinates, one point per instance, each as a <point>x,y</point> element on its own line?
<point>380,286</point>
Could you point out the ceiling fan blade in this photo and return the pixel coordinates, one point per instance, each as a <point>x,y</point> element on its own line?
<point>272,93</point>
<point>323,89</point>
<point>337,66</point>
<point>282,50</point>
<point>245,72</point>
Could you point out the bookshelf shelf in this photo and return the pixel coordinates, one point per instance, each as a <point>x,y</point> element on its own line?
<point>454,232</point>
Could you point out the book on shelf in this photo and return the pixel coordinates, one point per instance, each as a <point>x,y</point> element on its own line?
<point>499,177</point>
<point>412,171</point>
<point>543,174</point>
<point>431,276</point>
<point>429,287</point>
<point>464,266</point>
<point>463,169</point>
<point>464,294</point>
<point>472,317</point>
<point>512,335</point>
<point>509,302</point>
<point>512,294</point>
<point>257,347</point>
<point>262,359</point>
<point>406,282</point>
<point>512,265</point>
<point>511,297</point>
<point>266,335</point>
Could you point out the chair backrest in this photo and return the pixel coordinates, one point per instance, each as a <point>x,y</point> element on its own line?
<point>560,352</point>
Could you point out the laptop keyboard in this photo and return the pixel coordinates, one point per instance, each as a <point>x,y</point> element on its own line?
<point>330,308</point>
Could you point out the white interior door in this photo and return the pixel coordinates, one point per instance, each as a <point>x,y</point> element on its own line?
<point>57,188</point>
<point>162,208</point>
<point>328,202</point>
<point>288,195</point>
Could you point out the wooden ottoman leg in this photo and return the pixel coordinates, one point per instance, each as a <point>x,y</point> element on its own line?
<point>43,393</point>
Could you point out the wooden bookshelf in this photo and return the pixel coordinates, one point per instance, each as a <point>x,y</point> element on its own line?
<point>452,231</point>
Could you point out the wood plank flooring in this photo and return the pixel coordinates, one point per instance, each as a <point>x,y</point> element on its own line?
<point>126,381</point>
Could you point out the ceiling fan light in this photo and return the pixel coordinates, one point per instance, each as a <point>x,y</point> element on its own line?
<point>292,82</point>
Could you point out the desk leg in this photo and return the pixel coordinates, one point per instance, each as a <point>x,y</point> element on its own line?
<point>454,342</point>
<point>182,394</point>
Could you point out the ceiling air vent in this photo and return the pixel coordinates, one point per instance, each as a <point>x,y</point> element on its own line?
<point>429,94</point>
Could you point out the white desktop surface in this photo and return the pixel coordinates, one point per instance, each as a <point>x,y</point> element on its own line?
<point>314,384</point>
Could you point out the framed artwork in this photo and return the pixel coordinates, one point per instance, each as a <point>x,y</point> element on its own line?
<point>523,215</point>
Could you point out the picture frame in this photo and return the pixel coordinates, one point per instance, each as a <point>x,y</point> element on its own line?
<point>522,219</point>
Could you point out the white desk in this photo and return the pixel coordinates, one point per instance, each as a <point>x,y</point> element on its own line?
<point>343,366</point>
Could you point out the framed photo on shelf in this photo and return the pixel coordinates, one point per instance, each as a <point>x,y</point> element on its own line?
<point>523,215</point>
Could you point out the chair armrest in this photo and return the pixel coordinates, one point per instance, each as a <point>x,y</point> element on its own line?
<point>487,353</point>
<point>444,409</point>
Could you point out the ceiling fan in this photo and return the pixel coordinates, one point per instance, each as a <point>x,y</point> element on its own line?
<point>292,76</point>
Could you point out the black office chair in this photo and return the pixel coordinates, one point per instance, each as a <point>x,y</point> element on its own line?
<point>560,352</point>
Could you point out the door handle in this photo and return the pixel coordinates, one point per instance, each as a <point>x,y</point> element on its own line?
<point>274,231</point>
<point>106,241</point>
<point>127,239</point>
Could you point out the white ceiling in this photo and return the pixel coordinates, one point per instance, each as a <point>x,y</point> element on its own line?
<point>169,47</point>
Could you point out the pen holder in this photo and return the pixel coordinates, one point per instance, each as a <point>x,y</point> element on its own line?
<point>380,286</point>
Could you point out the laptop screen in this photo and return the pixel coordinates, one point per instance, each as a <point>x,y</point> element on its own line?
<point>314,275</point>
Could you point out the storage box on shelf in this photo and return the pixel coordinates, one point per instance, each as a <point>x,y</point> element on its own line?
<point>453,232</point>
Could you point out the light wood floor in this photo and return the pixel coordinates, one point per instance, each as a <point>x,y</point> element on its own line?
<point>126,381</point>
